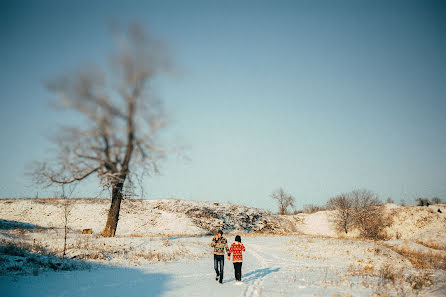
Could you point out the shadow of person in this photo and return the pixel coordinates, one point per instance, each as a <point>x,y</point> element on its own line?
<point>259,273</point>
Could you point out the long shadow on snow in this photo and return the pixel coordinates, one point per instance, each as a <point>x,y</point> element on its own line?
<point>259,273</point>
<point>54,276</point>
<point>12,225</point>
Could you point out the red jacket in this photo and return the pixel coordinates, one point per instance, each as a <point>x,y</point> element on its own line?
<point>236,250</point>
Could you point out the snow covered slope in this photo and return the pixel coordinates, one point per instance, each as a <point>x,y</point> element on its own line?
<point>145,217</point>
<point>174,217</point>
<point>162,249</point>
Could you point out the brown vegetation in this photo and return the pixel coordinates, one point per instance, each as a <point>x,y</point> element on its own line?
<point>360,209</point>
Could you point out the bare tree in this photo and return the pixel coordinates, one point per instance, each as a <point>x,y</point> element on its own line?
<point>436,200</point>
<point>121,121</point>
<point>312,208</point>
<point>284,200</point>
<point>343,211</point>
<point>368,214</point>
<point>422,201</point>
<point>67,206</point>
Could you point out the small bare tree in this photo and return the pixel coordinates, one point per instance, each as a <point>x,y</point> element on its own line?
<point>120,123</point>
<point>312,208</point>
<point>67,206</point>
<point>436,200</point>
<point>342,206</point>
<point>368,214</point>
<point>422,201</point>
<point>284,200</point>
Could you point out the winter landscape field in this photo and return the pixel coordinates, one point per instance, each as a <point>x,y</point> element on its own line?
<point>162,248</point>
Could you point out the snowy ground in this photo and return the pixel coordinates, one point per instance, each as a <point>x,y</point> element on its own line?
<point>162,249</point>
<point>273,266</point>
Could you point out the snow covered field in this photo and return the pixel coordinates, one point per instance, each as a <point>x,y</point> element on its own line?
<point>273,266</point>
<point>148,259</point>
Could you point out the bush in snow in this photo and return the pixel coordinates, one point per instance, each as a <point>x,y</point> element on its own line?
<point>311,208</point>
<point>368,215</point>
<point>342,206</point>
<point>359,209</point>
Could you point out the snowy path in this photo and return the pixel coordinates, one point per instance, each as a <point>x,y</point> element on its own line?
<point>262,267</point>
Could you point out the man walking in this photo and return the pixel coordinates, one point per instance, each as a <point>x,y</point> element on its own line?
<point>219,243</point>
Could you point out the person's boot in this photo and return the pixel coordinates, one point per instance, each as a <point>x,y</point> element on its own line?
<point>217,277</point>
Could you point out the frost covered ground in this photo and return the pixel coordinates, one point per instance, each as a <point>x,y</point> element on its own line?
<point>273,266</point>
<point>162,249</point>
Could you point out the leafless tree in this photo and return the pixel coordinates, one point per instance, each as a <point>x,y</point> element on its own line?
<point>436,200</point>
<point>67,206</point>
<point>121,121</point>
<point>389,200</point>
<point>312,208</point>
<point>422,202</point>
<point>368,214</point>
<point>284,200</point>
<point>343,211</point>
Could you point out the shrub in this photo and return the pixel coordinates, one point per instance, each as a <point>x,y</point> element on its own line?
<point>420,280</point>
<point>422,202</point>
<point>360,209</point>
<point>367,215</point>
<point>436,200</point>
<point>387,273</point>
<point>342,206</point>
<point>311,208</point>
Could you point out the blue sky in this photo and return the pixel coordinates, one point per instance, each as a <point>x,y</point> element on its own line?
<point>318,97</point>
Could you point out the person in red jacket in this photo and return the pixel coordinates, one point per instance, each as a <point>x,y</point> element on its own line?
<point>236,250</point>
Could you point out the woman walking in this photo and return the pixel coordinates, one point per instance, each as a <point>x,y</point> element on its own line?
<point>237,259</point>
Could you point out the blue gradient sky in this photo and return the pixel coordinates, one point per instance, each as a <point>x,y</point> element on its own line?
<point>319,97</point>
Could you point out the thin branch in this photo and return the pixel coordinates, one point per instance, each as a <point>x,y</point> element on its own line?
<point>68,181</point>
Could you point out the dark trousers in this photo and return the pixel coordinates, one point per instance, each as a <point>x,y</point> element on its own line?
<point>238,270</point>
<point>219,264</point>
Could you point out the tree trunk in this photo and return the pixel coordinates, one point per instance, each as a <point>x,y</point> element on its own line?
<point>113,212</point>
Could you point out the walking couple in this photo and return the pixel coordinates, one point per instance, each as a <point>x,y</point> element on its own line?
<point>220,244</point>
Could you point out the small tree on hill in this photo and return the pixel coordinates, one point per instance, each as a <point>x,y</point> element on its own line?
<point>284,200</point>
<point>436,200</point>
<point>311,208</point>
<point>343,211</point>
<point>367,214</point>
<point>422,201</point>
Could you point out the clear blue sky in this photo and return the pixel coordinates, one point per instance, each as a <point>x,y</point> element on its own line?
<point>319,97</point>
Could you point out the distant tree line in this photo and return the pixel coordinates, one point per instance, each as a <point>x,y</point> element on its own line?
<point>426,201</point>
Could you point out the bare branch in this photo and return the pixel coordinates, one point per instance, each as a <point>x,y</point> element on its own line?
<point>69,180</point>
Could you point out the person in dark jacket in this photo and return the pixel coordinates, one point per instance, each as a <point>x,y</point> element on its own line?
<point>220,244</point>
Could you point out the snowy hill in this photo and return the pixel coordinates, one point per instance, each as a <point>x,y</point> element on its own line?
<point>145,217</point>
<point>174,217</point>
